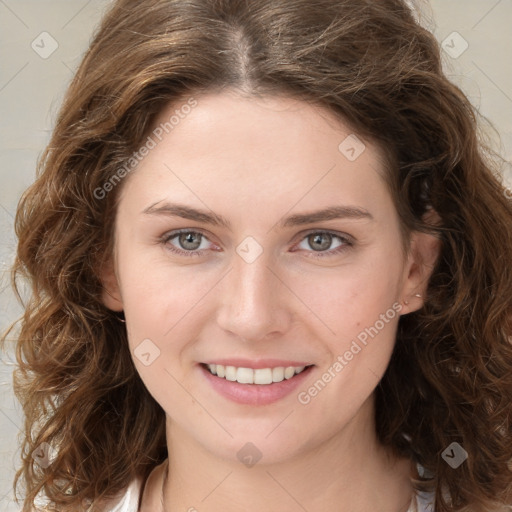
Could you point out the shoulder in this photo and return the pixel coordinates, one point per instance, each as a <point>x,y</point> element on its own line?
<point>425,502</point>
<point>128,500</point>
<point>135,497</point>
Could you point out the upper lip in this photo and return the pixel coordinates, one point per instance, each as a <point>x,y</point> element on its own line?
<point>257,363</point>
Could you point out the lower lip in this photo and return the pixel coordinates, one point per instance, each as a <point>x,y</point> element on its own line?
<point>255,394</point>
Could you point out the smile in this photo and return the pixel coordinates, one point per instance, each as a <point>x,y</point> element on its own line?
<point>260,376</point>
<point>272,381</point>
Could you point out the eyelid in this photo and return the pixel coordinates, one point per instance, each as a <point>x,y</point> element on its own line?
<point>342,235</point>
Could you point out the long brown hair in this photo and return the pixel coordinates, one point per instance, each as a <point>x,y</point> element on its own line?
<point>370,63</point>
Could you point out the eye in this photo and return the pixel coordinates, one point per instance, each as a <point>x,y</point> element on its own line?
<point>320,241</point>
<point>187,242</point>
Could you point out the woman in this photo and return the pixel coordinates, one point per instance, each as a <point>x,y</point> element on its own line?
<point>259,246</point>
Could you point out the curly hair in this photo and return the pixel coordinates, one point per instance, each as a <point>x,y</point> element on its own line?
<point>371,64</point>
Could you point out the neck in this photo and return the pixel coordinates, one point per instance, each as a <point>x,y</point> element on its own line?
<point>350,471</point>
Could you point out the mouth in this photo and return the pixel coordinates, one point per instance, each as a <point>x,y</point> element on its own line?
<point>269,383</point>
<point>258,376</point>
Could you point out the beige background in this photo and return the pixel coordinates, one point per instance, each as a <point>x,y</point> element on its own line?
<point>32,83</point>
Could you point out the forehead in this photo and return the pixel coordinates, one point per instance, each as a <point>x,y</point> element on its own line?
<point>251,151</point>
<point>223,120</point>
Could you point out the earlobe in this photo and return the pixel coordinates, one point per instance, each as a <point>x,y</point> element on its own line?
<point>111,294</point>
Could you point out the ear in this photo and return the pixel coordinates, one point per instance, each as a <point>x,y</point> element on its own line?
<point>423,254</point>
<point>111,294</point>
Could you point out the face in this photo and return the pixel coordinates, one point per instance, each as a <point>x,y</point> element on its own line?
<point>258,236</point>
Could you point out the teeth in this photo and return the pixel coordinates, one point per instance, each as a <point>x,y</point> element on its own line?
<point>278,374</point>
<point>245,376</point>
<point>289,372</point>
<point>230,373</point>
<point>263,376</point>
<point>250,376</point>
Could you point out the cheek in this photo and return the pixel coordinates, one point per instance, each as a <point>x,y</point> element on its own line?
<point>360,304</point>
<point>157,293</point>
<point>359,355</point>
<point>161,305</point>
<point>352,297</point>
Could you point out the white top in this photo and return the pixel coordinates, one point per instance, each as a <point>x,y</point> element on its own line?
<point>129,502</point>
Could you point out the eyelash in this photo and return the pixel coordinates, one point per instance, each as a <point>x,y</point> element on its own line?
<point>346,243</point>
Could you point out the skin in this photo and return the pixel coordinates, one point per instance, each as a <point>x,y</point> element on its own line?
<point>255,161</point>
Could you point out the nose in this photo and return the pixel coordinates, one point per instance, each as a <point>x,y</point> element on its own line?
<point>253,301</point>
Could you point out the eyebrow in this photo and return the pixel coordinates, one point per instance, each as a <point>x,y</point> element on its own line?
<point>299,219</point>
